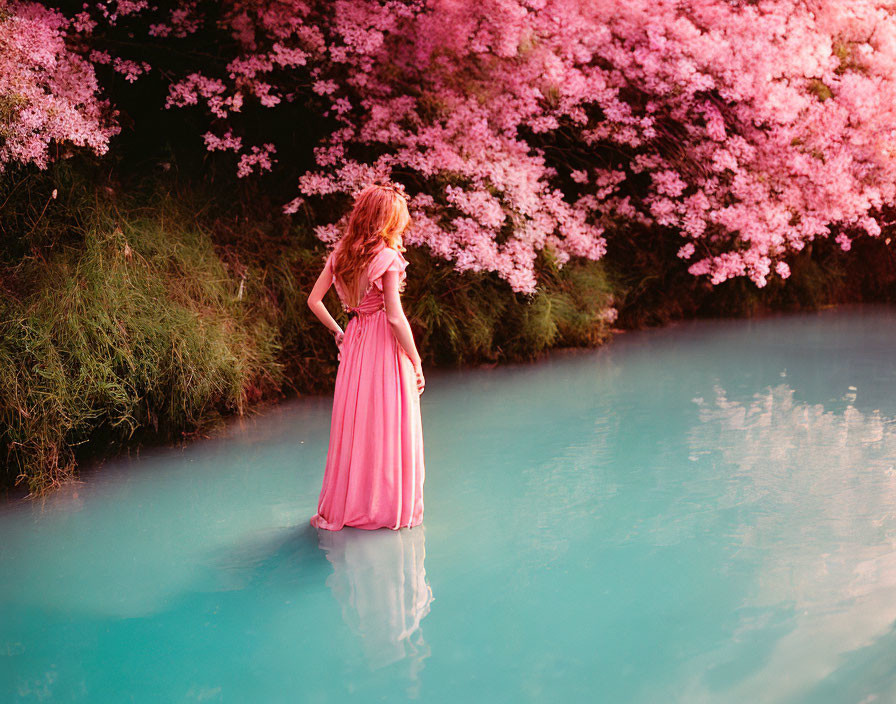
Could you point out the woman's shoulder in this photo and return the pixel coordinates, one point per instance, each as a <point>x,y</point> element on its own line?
<point>386,255</point>
<point>387,259</point>
<point>397,260</point>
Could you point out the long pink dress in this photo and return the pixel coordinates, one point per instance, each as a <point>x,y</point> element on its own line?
<point>374,472</point>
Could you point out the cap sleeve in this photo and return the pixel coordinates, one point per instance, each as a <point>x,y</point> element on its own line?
<point>387,260</point>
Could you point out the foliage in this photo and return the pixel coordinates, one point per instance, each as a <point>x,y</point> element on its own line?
<point>474,317</point>
<point>564,158</point>
<point>741,131</point>
<point>130,325</point>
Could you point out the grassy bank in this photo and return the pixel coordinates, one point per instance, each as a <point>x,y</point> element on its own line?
<point>135,327</point>
<point>147,317</point>
<point>145,314</point>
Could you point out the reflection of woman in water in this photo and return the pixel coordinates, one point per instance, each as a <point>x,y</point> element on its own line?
<point>380,582</point>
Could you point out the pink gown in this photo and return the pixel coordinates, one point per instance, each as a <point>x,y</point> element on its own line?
<point>374,471</point>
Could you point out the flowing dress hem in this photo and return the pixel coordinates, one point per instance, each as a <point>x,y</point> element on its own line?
<point>318,521</point>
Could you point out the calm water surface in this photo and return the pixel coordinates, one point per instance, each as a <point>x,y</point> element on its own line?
<point>704,513</point>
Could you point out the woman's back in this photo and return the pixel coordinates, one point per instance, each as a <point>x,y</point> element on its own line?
<point>362,285</point>
<point>369,285</point>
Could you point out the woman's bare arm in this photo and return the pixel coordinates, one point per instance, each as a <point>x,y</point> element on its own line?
<point>399,323</point>
<point>396,317</point>
<point>316,304</point>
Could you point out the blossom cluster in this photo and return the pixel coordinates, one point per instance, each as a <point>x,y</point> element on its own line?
<point>48,92</point>
<point>746,129</point>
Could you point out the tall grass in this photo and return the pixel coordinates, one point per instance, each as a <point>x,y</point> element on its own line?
<point>471,318</point>
<point>135,325</point>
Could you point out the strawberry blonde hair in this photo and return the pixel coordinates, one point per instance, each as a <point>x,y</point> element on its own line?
<point>380,214</point>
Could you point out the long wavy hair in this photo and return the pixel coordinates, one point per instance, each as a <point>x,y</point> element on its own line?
<point>380,214</point>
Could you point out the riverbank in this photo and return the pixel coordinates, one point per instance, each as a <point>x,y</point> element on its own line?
<point>146,314</point>
<point>133,317</point>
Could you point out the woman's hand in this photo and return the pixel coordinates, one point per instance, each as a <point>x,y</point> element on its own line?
<point>339,336</point>
<point>421,381</point>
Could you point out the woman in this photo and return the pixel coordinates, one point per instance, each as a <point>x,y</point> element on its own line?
<point>374,472</point>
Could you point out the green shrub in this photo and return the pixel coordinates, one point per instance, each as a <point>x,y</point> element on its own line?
<point>463,318</point>
<point>136,326</point>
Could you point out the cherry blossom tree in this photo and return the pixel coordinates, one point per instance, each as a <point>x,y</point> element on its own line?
<point>745,129</point>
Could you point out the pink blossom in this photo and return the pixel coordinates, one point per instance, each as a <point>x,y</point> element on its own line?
<point>843,240</point>
<point>753,127</point>
<point>258,158</point>
<point>325,87</point>
<point>130,69</point>
<point>50,92</point>
<point>227,142</point>
<point>293,205</point>
<point>782,269</point>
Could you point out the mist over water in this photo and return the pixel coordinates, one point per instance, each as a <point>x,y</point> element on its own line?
<point>702,513</point>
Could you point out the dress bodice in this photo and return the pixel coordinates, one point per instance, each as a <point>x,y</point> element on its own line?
<point>386,259</point>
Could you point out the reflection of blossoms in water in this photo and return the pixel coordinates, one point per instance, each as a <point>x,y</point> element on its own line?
<point>814,495</point>
<point>379,579</point>
<point>835,468</point>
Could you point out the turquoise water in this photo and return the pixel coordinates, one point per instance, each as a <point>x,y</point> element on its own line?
<point>703,513</point>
